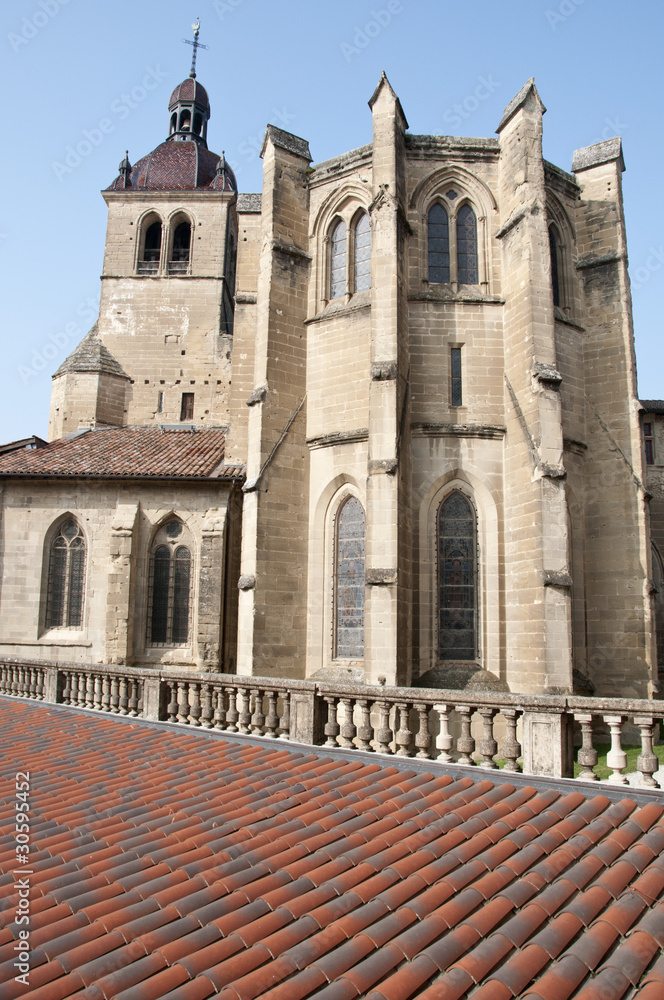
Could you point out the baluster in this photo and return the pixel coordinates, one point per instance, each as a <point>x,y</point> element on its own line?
<point>647,762</point>
<point>403,735</point>
<point>383,732</point>
<point>465,743</point>
<point>232,715</point>
<point>33,687</point>
<point>3,678</point>
<point>115,695</point>
<point>124,697</point>
<point>183,703</point>
<point>257,718</point>
<point>348,729</point>
<point>132,704</point>
<point>444,740</point>
<point>244,710</point>
<point>14,690</point>
<point>90,691</point>
<point>365,729</point>
<point>82,685</point>
<point>616,758</point>
<point>106,693</point>
<point>511,748</point>
<point>423,736</point>
<point>587,755</point>
<point>96,701</point>
<point>284,724</point>
<point>271,719</point>
<point>195,707</point>
<point>332,727</point>
<point>66,688</point>
<point>488,746</point>
<point>172,707</point>
<point>21,681</point>
<point>206,706</point>
<point>220,709</point>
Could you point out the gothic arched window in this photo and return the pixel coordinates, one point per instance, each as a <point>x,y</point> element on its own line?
<point>439,244</point>
<point>170,587</point>
<point>466,234</point>
<point>362,263</point>
<point>554,251</point>
<point>457,579</point>
<point>66,577</point>
<point>349,581</point>
<point>338,261</point>
<point>179,262</point>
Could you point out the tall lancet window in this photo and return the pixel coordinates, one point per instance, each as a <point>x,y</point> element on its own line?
<point>457,579</point>
<point>466,234</point>
<point>554,251</point>
<point>170,587</point>
<point>349,581</point>
<point>338,261</point>
<point>66,578</point>
<point>362,253</point>
<point>439,244</point>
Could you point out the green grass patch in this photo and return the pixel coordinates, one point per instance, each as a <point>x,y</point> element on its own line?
<point>601,769</point>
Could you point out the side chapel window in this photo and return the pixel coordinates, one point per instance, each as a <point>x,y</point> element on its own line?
<point>452,248</point>
<point>362,263</point>
<point>338,261</point>
<point>554,251</point>
<point>457,579</point>
<point>66,577</point>
<point>466,232</point>
<point>349,581</point>
<point>170,588</point>
<point>439,244</point>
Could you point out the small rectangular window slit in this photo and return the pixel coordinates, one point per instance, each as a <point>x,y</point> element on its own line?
<point>455,379</point>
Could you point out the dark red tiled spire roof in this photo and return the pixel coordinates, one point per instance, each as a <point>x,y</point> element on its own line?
<point>176,165</point>
<point>189,90</point>
<point>126,451</point>
<point>174,864</point>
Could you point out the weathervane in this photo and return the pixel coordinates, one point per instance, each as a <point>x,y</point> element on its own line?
<point>197,45</point>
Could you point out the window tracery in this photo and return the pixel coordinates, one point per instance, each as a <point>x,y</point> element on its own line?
<point>457,579</point>
<point>349,581</point>
<point>66,577</point>
<point>170,587</point>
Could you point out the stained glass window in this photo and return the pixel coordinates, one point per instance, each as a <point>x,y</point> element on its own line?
<point>349,581</point>
<point>457,564</point>
<point>466,229</point>
<point>338,261</point>
<point>439,244</point>
<point>555,279</point>
<point>363,253</point>
<point>168,617</point>
<point>456,384</point>
<point>66,578</point>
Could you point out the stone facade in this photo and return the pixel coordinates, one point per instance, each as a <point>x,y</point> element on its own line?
<point>508,383</point>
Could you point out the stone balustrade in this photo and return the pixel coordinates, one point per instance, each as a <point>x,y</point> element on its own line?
<point>535,734</point>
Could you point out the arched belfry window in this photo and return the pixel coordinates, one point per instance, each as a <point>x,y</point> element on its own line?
<point>179,262</point>
<point>466,240</point>
<point>151,251</point>
<point>554,251</point>
<point>457,579</point>
<point>170,587</point>
<point>439,244</point>
<point>362,264</point>
<point>66,577</point>
<point>338,247</point>
<point>349,581</point>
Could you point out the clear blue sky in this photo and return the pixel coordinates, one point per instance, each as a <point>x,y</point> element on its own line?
<point>309,66</point>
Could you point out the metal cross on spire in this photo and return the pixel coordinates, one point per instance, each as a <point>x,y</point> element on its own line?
<point>197,45</point>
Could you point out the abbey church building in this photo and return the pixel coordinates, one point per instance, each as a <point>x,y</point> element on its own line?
<point>377,422</point>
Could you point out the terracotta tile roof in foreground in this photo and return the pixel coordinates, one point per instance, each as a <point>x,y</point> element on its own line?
<point>137,452</point>
<point>168,863</point>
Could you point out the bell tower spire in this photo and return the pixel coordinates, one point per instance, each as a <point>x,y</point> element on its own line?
<point>197,45</point>
<point>189,107</point>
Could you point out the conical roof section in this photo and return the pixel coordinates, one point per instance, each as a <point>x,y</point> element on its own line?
<point>91,356</point>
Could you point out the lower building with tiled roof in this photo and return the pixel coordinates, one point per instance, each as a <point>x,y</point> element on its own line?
<point>166,864</point>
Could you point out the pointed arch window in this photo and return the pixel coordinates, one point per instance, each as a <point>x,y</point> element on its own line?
<point>170,587</point>
<point>439,244</point>
<point>466,240</point>
<point>349,581</point>
<point>362,262</point>
<point>338,249</point>
<point>554,251</point>
<point>457,579</point>
<point>66,577</point>
<point>179,262</point>
<point>151,254</point>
